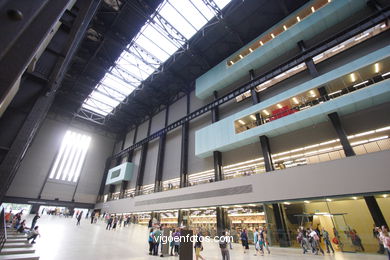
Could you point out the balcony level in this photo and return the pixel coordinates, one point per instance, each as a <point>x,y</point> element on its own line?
<point>367,173</point>
<point>307,22</point>
<point>355,86</point>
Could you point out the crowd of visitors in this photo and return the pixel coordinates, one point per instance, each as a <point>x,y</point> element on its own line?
<point>16,222</point>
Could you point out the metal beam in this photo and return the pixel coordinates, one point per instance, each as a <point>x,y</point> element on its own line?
<point>335,119</point>
<point>18,149</point>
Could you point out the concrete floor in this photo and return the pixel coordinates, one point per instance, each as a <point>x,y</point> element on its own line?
<point>62,240</point>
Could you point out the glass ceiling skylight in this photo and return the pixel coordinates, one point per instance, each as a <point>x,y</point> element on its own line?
<point>167,30</point>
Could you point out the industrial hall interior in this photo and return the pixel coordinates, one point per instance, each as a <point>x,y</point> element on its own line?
<point>194,129</point>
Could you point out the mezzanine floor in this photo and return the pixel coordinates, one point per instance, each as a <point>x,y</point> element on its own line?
<point>62,240</point>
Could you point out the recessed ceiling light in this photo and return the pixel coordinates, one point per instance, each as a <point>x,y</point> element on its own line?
<point>298,19</point>
<point>266,112</point>
<point>272,35</point>
<point>306,201</point>
<point>285,27</point>
<point>279,105</point>
<point>376,67</point>
<point>329,200</point>
<point>385,195</point>
<point>312,9</point>
<point>353,77</point>
<point>241,122</point>
<point>287,203</point>
<point>312,93</point>
<point>253,117</point>
<point>250,49</point>
<point>355,198</point>
<point>295,100</point>
<point>240,56</point>
<point>261,43</point>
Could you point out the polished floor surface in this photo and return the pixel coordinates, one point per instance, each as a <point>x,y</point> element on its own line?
<point>61,239</point>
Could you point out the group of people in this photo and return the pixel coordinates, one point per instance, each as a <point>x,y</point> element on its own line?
<point>16,222</point>
<point>383,237</point>
<point>310,239</point>
<point>114,221</point>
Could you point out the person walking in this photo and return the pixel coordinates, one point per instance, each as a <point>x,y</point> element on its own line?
<point>109,223</point>
<point>198,245</point>
<point>315,242</point>
<point>115,222</point>
<point>34,221</point>
<point>263,237</point>
<point>151,241</point>
<point>385,238</point>
<point>244,240</point>
<point>325,236</point>
<point>79,218</point>
<point>223,242</point>
<point>34,234</point>
<point>256,241</point>
<point>156,240</point>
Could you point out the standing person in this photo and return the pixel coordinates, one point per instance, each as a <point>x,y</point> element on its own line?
<point>115,222</point>
<point>385,238</point>
<point>264,235</point>
<point>92,217</point>
<point>315,239</point>
<point>223,246</point>
<point>356,240</point>
<point>227,232</point>
<point>198,245</point>
<point>302,239</point>
<point>34,221</point>
<point>109,223</point>
<point>79,218</point>
<point>8,216</point>
<point>325,236</point>
<point>34,235</point>
<point>22,227</point>
<point>376,234</point>
<point>156,240</point>
<point>256,241</point>
<point>150,241</point>
<point>244,240</point>
<point>176,241</point>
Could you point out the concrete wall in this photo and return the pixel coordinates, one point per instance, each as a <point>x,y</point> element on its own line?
<point>39,158</point>
<point>280,186</point>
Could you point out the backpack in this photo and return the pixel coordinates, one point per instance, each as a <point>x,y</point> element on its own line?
<point>222,244</point>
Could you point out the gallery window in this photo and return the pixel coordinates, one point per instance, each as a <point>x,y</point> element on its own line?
<point>70,158</point>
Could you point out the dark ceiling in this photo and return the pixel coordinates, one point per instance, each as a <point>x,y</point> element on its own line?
<point>115,25</point>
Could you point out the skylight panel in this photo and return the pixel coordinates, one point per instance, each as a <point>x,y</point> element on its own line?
<point>153,45</point>
<point>203,9</point>
<point>177,20</point>
<point>222,3</point>
<point>153,48</point>
<point>167,45</point>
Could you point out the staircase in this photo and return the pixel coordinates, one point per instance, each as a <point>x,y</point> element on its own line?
<point>16,246</point>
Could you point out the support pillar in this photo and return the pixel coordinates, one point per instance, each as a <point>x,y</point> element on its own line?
<point>309,62</point>
<point>375,211</point>
<point>215,110</point>
<point>160,163</point>
<point>218,165</point>
<point>184,149</point>
<point>335,119</point>
<point>254,94</point>
<point>142,162</point>
<point>266,150</point>
<point>221,220</point>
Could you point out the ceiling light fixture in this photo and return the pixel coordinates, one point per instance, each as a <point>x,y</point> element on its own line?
<point>253,117</point>
<point>312,9</point>
<point>272,35</point>
<point>261,43</point>
<point>240,56</point>
<point>295,100</point>
<point>306,201</point>
<point>279,106</point>
<point>250,49</point>
<point>241,122</point>
<point>266,112</point>
<point>353,77</point>
<point>285,27</point>
<point>376,67</point>
<point>298,19</point>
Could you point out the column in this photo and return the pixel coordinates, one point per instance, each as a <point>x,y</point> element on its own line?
<point>141,168</point>
<point>375,211</point>
<point>184,149</point>
<point>266,150</point>
<point>335,119</point>
<point>160,155</point>
<point>309,62</point>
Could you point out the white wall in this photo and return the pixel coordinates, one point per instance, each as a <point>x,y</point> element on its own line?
<point>40,156</point>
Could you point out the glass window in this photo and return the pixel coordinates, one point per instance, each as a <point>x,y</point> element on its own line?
<point>70,158</point>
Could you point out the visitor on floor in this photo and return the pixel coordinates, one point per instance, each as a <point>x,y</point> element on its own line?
<point>385,238</point>
<point>314,241</point>
<point>198,245</point>
<point>150,241</point>
<point>34,234</point>
<point>114,222</point>
<point>109,222</point>
<point>22,227</point>
<point>34,221</point>
<point>223,245</point>
<point>244,241</point>
<point>375,233</point>
<point>266,243</point>
<point>79,216</point>
<point>156,240</point>
<point>256,241</point>
<point>325,236</point>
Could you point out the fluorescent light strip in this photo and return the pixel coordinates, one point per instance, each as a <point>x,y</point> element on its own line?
<point>77,157</point>
<point>333,93</point>
<point>361,83</point>
<point>338,48</point>
<point>362,36</point>
<point>72,153</point>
